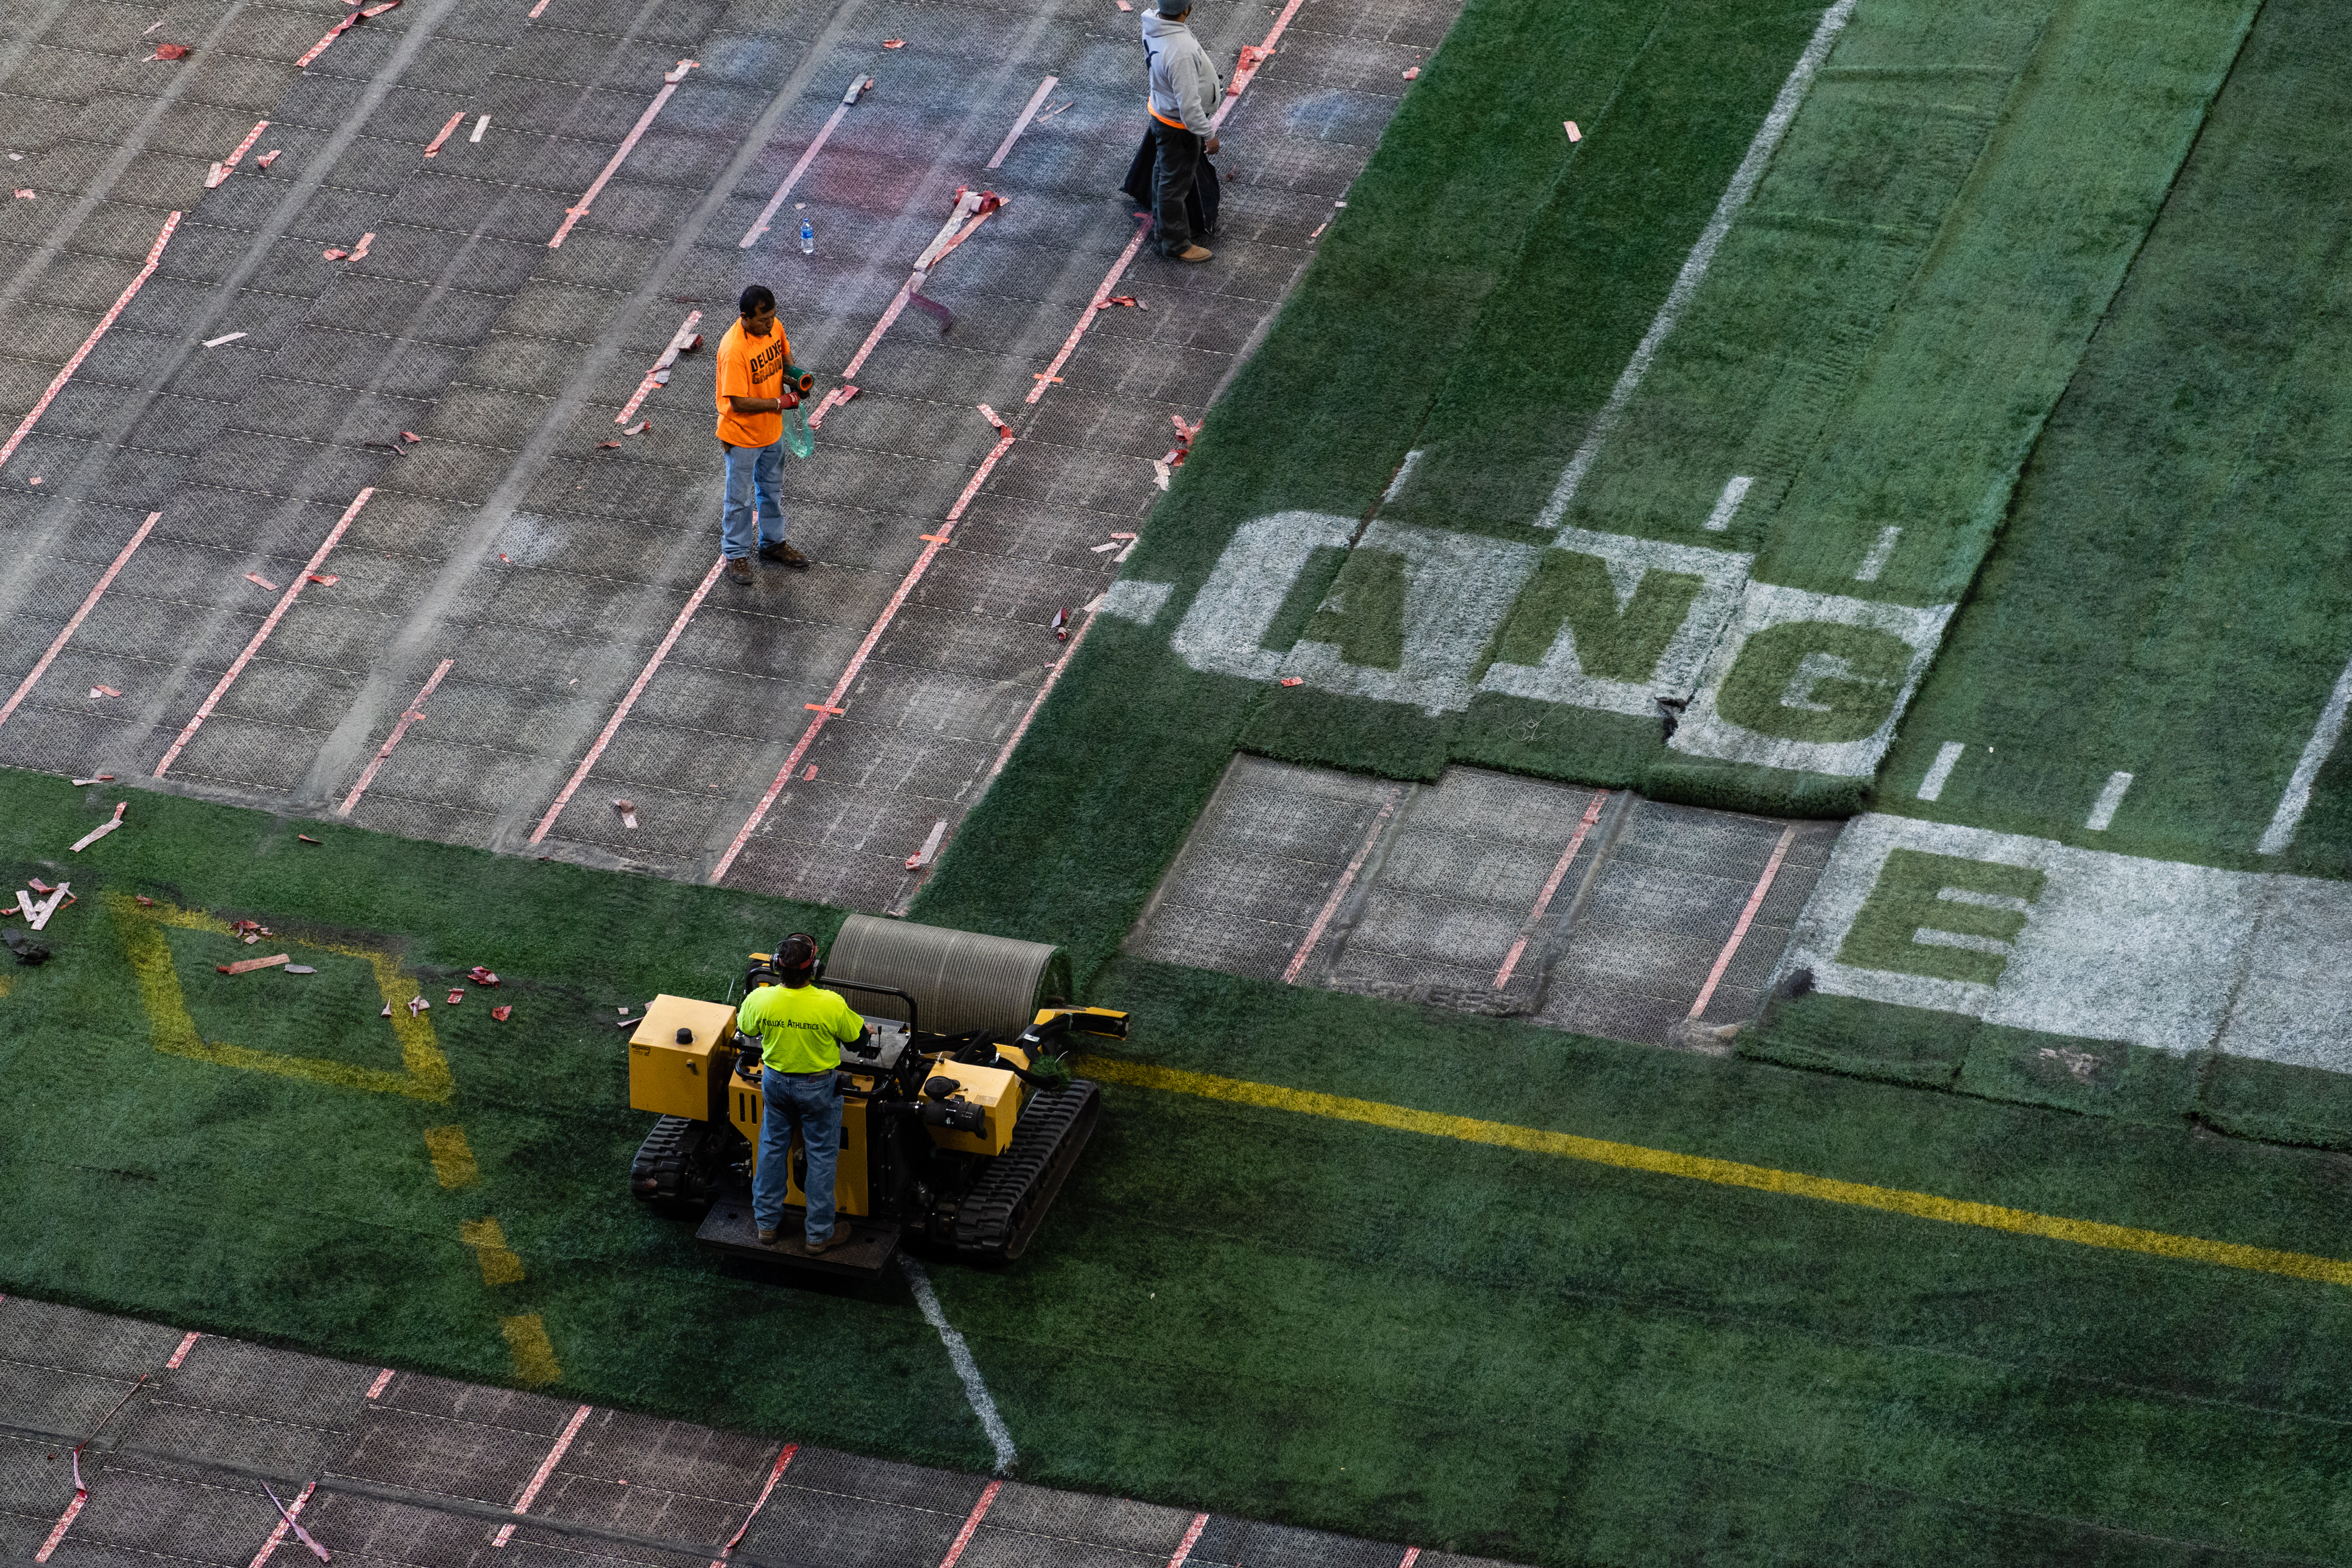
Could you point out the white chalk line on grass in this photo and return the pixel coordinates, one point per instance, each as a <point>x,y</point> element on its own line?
<point>1939,772</point>
<point>959,1357</point>
<point>1743,184</point>
<point>1727,505</point>
<point>2103,813</point>
<point>2316,752</point>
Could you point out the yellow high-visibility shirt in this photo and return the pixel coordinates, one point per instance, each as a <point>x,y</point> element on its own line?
<point>800,1028</point>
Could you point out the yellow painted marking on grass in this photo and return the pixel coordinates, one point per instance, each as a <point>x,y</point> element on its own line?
<point>1727,1173</point>
<point>502,1265</point>
<point>453,1157</point>
<point>534,1356</point>
<point>426,1074</point>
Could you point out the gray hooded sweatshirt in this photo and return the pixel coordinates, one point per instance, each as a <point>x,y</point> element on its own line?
<point>1183,82</point>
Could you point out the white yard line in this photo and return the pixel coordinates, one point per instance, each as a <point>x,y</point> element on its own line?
<point>1702,255</point>
<point>959,1357</point>
<point>2103,810</point>
<point>1727,505</point>
<point>1940,771</point>
<point>2316,752</point>
<point>1880,554</point>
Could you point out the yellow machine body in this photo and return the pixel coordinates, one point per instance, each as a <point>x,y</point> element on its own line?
<point>745,1107</point>
<point>998,1094</point>
<point>671,1079</point>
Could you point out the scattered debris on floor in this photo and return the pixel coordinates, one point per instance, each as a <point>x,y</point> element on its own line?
<point>628,812</point>
<point>481,976</point>
<point>1573,133</point>
<point>223,338</point>
<point>102,829</point>
<point>306,838</point>
<point>247,965</point>
<point>930,850</point>
<point>504,1012</point>
<point>104,692</point>
<point>264,582</point>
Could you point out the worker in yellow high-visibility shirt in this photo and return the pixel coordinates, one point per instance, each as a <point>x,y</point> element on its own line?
<point>801,1028</point>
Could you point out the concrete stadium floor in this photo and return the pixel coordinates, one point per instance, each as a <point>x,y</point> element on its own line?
<point>187,1435</point>
<point>558,580</point>
<point>1592,910</point>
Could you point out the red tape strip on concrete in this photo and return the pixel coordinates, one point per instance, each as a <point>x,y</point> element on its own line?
<point>181,1354</point>
<point>65,1522</point>
<point>1740,932</point>
<point>382,1381</point>
<point>1347,880</point>
<point>1242,78</point>
<point>80,616</point>
<point>546,1468</point>
<point>318,559</point>
<point>774,1477</point>
<point>677,629</point>
<point>1550,887</point>
<point>155,257</point>
<point>1094,307</point>
<point>234,159</point>
<point>413,712</point>
<point>865,651</point>
<point>1191,1538</point>
<point>579,209</point>
<point>1006,755</point>
<point>1035,100</point>
<point>963,1536</point>
<point>760,225</point>
<point>433,148</point>
<point>285,1522</point>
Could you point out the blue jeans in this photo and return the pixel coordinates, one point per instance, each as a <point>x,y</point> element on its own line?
<point>804,1104</point>
<point>751,474</point>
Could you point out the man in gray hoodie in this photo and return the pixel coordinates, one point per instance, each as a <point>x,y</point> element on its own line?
<point>1183,85</point>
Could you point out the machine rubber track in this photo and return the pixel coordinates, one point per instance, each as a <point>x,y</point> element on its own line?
<point>1003,1210</point>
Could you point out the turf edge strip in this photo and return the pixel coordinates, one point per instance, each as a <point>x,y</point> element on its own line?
<point>1726,1172</point>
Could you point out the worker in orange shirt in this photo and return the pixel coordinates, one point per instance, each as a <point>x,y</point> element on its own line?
<point>752,398</point>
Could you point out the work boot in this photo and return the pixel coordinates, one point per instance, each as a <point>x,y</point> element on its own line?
<point>840,1235</point>
<point>782,554</point>
<point>1191,253</point>
<point>768,1235</point>
<point>739,570</point>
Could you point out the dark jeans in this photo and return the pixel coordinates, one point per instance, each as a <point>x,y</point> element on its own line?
<point>1173,177</point>
<point>805,1103</point>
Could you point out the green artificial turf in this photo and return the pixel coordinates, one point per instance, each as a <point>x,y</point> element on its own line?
<point>1233,1308</point>
<point>1077,830</point>
<point>1876,346</point>
<point>2172,596</point>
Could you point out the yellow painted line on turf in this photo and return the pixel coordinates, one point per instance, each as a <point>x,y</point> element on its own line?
<point>534,1356</point>
<point>1724,1173</point>
<point>502,1265</point>
<point>453,1157</point>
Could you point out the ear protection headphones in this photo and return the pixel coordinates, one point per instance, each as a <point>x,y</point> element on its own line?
<point>797,955</point>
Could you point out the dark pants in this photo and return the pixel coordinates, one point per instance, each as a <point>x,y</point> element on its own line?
<point>1172,177</point>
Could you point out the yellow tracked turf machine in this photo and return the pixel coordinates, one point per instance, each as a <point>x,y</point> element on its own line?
<point>951,1134</point>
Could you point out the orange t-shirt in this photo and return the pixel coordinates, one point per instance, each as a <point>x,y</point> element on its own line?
<point>751,367</point>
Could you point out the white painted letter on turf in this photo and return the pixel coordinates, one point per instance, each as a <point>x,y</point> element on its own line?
<point>1562,676</point>
<point>1844,716</point>
<point>1222,633</point>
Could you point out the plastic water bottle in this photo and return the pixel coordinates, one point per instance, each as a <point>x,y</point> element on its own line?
<point>808,239</point>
